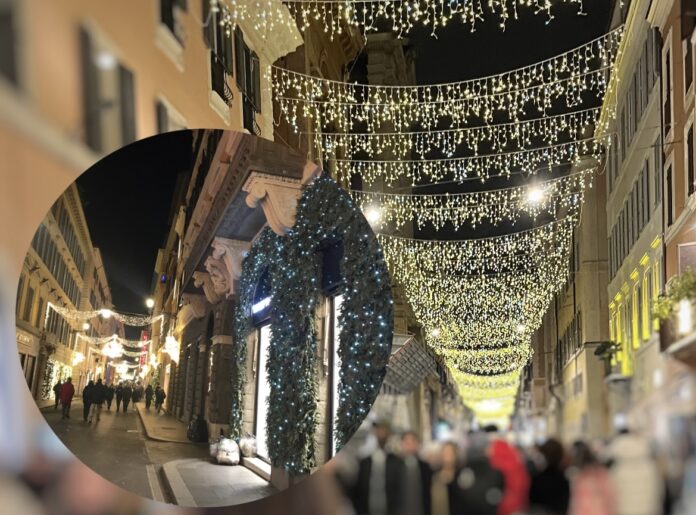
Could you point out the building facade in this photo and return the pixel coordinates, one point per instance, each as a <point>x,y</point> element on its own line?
<point>64,268</point>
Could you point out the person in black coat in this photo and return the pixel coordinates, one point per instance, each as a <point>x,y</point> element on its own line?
<point>109,396</point>
<point>159,398</point>
<point>127,395</point>
<point>418,477</point>
<point>98,395</point>
<point>550,488</point>
<point>56,393</point>
<point>479,487</point>
<point>149,392</point>
<point>377,489</point>
<point>119,396</point>
<point>87,399</point>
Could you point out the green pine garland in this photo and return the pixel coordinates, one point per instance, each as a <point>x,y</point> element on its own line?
<point>325,213</point>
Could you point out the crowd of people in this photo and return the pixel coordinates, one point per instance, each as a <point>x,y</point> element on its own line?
<point>97,394</point>
<point>485,474</point>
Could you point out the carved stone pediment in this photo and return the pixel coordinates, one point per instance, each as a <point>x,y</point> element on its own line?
<point>203,280</point>
<point>277,196</point>
<point>225,265</point>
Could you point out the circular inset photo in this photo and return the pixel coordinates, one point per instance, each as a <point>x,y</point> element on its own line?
<point>204,317</point>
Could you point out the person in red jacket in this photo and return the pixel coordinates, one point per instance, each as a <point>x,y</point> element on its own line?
<point>67,391</point>
<point>505,458</point>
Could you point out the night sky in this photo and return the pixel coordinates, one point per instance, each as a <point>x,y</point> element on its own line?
<point>127,195</point>
<point>127,198</point>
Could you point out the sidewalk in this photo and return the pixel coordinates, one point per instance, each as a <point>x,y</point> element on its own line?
<point>162,427</point>
<point>197,483</point>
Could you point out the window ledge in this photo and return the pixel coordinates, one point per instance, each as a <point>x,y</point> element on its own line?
<point>219,106</point>
<point>172,47</point>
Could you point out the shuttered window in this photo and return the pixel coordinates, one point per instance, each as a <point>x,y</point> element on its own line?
<point>127,94</point>
<point>90,93</point>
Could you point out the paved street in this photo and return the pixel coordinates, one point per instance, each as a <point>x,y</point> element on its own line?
<point>118,450</point>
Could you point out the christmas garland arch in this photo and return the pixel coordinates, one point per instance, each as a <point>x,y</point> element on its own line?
<point>325,213</point>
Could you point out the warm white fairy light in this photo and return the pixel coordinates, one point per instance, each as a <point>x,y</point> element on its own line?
<point>126,319</point>
<point>400,16</point>
<point>473,208</point>
<point>460,169</point>
<point>172,347</point>
<point>515,95</point>
<point>99,340</point>
<point>113,349</point>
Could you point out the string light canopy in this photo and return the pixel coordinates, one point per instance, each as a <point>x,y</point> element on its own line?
<point>100,340</point>
<point>504,137</point>
<point>400,16</point>
<point>514,95</point>
<point>126,319</point>
<point>472,208</point>
<point>460,169</point>
<point>172,347</point>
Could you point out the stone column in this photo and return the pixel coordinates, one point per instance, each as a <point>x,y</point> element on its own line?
<point>219,404</point>
<point>201,383</point>
<point>190,382</point>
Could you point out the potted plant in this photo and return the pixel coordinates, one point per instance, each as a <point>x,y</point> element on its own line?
<point>674,308</point>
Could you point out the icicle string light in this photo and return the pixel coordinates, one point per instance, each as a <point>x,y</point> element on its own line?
<point>506,137</point>
<point>533,89</point>
<point>400,16</point>
<point>473,208</point>
<point>130,320</point>
<point>460,169</point>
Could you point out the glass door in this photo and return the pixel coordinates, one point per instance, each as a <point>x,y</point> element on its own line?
<point>263,391</point>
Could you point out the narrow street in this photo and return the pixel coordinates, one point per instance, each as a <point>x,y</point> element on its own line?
<point>117,448</point>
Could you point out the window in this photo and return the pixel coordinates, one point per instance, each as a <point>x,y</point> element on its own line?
<point>28,304</point>
<point>221,53</point>
<point>8,42</point>
<point>690,161</point>
<point>39,314</point>
<point>667,107</point>
<point>108,97</point>
<point>249,81</point>
<point>670,200</point>
<point>168,119</point>
<point>688,64</point>
<point>20,290</point>
<point>169,16</point>
<point>657,167</point>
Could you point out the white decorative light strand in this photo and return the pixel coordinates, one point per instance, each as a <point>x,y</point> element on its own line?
<point>400,16</point>
<point>460,169</point>
<point>129,320</point>
<point>473,208</point>
<point>505,137</point>
<point>99,340</point>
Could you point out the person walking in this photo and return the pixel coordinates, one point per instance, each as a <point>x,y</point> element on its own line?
<point>109,396</point>
<point>592,490</point>
<point>56,393</point>
<point>639,485</point>
<point>87,399</point>
<point>98,397</point>
<point>481,486</point>
<point>119,396</point>
<point>418,477</point>
<point>445,493</point>
<point>149,392</point>
<point>67,391</point>
<point>377,489</point>
<point>135,396</point>
<point>549,493</point>
<point>505,458</point>
<point>127,395</point>
<point>159,398</point>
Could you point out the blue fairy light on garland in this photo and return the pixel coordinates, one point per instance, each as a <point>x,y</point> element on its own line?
<point>324,213</point>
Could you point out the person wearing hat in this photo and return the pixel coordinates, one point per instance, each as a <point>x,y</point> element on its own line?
<point>377,489</point>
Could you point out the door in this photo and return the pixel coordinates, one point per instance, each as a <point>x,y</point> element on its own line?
<point>263,391</point>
